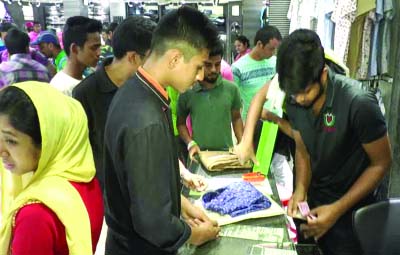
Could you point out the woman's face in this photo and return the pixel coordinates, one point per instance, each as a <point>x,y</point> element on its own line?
<point>17,149</point>
<point>240,47</point>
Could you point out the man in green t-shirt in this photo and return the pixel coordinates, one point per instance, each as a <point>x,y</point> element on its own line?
<point>252,71</point>
<point>214,105</point>
<point>50,47</point>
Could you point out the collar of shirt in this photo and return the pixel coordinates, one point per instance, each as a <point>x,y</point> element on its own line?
<point>198,87</point>
<point>153,85</point>
<point>20,56</point>
<point>105,84</point>
<point>330,93</point>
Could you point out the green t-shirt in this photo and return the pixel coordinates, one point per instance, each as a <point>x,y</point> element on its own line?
<point>60,60</point>
<point>173,96</point>
<point>211,113</point>
<point>250,75</point>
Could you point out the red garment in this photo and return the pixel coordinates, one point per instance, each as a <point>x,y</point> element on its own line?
<point>38,231</point>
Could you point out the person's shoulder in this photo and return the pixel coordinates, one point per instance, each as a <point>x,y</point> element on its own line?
<point>36,214</point>
<point>87,85</point>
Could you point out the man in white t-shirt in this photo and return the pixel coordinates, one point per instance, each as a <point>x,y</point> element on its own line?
<point>81,39</point>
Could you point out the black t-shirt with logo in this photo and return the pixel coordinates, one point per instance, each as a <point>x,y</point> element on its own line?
<point>349,118</point>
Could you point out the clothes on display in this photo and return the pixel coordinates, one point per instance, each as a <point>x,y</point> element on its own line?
<point>236,199</point>
<point>359,32</point>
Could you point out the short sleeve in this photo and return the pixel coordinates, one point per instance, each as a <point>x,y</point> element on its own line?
<point>366,118</point>
<point>237,103</point>
<point>183,107</point>
<point>236,75</point>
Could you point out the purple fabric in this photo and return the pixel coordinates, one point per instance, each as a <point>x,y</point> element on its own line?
<point>35,55</point>
<point>21,68</point>
<point>236,199</point>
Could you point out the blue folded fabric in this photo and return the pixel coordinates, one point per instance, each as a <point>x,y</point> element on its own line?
<point>236,199</point>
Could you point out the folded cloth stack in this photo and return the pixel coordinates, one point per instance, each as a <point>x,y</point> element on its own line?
<point>220,160</point>
<point>236,199</point>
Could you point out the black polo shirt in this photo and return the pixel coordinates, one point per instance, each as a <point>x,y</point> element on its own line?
<point>95,94</point>
<point>142,186</point>
<point>349,118</point>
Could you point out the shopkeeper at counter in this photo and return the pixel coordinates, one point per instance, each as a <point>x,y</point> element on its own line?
<point>213,104</point>
<point>342,145</point>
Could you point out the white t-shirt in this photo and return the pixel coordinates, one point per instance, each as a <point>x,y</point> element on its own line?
<point>64,83</point>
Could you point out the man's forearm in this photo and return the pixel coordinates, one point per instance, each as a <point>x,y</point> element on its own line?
<point>364,185</point>
<point>238,128</point>
<point>184,133</point>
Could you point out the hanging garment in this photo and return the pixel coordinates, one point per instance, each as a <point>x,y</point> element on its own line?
<point>300,14</point>
<point>343,15</point>
<point>325,26</point>
<point>362,71</point>
<point>236,199</point>
<point>373,67</point>
<point>385,35</point>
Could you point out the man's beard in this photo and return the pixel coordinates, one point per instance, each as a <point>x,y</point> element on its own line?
<point>211,79</point>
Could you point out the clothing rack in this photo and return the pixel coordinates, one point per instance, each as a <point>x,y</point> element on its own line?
<point>374,80</point>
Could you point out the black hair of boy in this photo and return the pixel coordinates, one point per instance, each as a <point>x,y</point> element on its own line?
<point>186,29</point>
<point>267,33</point>
<point>76,30</point>
<point>16,41</point>
<point>133,34</point>
<point>300,61</point>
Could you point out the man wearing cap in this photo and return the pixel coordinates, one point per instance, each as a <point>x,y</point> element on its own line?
<point>50,46</point>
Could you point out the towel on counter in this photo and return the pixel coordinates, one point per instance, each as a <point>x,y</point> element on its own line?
<point>236,199</point>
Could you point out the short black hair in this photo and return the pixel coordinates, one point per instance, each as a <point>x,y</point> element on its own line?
<point>36,22</point>
<point>267,33</point>
<point>112,27</point>
<point>76,29</point>
<point>133,34</point>
<point>186,29</point>
<point>243,39</point>
<point>300,61</point>
<point>16,41</point>
<point>21,112</point>
<point>217,50</point>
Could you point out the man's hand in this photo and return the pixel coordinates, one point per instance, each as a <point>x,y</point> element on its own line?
<point>193,181</point>
<point>326,217</point>
<point>298,196</point>
<point>202,232</point>
<point>195,149</point>
<point>245,152</point>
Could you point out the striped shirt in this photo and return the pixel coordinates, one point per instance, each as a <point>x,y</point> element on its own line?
<point>21,68</point>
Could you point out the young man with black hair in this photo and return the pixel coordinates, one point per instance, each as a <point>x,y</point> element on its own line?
<point>251,71</point>
<point>342,145</point>
<point>142,187</point>
<point>50,47</point>
<point>214,105</point>
<point>132,41</point>
<point>81,40</point>
<point>21,67</point>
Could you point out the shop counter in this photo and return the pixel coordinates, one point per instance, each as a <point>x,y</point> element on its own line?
<point>240,245</point>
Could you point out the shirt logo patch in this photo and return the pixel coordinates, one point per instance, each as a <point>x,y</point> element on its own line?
<point>329,122</point>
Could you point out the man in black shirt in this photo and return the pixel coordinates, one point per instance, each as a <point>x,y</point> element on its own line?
<point>342,146</point>
<point>142,187</point>
<point>131,43</point>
